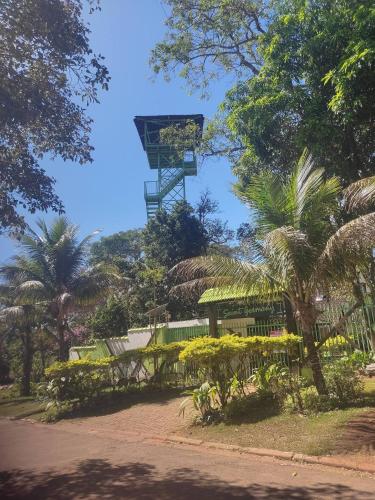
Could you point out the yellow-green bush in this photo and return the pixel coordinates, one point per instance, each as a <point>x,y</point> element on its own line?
<point>218,360</point>
<point>223,360</point>
<point>81,379</point>
<point>207,349</point>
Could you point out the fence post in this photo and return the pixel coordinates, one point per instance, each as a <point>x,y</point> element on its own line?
<point>212,320</point>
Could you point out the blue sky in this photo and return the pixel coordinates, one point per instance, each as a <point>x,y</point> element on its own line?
<point>108,194</point>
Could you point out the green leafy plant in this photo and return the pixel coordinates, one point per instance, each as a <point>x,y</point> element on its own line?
<point>343,381</point>
<point>310,402</point>
<point>298,247</point>
<point>266,378</point>
<point>360,359</point>
<point>204,401</point>
<point>223,361</point>
<point>81,380</point>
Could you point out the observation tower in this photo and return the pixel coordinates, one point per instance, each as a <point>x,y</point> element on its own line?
<point>172,164</point>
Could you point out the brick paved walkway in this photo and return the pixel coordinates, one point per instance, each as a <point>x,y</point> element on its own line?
<point>156,416</point>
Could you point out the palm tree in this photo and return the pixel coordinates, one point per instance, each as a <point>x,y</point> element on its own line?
<point>299,250</point>
<point>51,271</point>
<point>23,318</point>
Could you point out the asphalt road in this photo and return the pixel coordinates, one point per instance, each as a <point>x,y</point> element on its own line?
<point>48,462</point>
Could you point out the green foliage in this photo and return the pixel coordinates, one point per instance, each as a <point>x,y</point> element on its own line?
<point>343,382</point>
<point>48,67</point>
<point>110,319</point>
<point>310,402</point>
<point>123,247</point>
<point>203,399</point>
<point>298,247</point>
<point>207,350</point>
<point>51,272</point>
<point>209,38</point>
<point>277,380</point>
<point>223,361</point>
<point>305,78</point>
<point>359,359</point>
<point>81,380</point>
<point>314,89</point>
<point>175,236</point>
<point>267,377</point>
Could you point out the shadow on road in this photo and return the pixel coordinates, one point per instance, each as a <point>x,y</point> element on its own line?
<point>115,402</point>
<point>100,479</point>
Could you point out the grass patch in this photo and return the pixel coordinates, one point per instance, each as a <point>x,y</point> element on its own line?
<point>263,425</point>
<point>15,406</point>
<point>21,407</point>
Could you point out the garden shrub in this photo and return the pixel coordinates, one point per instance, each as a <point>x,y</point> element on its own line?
<point>224,360</point>
<point>360,359</point>
<point>280,382</point>
<point>343,382</point>
<point>80,380</point>
<point>267,377</point>
<point>310,402</point>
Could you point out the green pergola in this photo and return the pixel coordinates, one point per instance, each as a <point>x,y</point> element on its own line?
<point>212,297</point>
<point>172,166</point>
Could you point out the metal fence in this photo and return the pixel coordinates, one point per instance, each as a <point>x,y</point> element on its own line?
<point>357,333</point>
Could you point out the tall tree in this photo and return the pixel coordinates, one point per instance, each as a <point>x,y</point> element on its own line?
<point>217,231</point>
<point>111,318</point>
<point>23,319</point>
<point>48,67</point>
<point>312,83</point>
<point>206,39</point>
<point>126,246</point>
<point>52,270</point>
<point>300,249</point>
<point>172,237</point>
<point>314,88</point>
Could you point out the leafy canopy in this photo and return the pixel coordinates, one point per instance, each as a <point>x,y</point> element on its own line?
<point>48,67</point>
<point>207,38</point>
<point>310,80</point>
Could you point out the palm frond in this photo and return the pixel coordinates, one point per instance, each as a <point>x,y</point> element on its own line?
<point>289,255</point>
<point>349,245</point>
<point>31,291</point>
<point>218,270</point>
<point>21,315</point>
<point>360,195</point>
<point>93,284</point>
<point>266,199</point>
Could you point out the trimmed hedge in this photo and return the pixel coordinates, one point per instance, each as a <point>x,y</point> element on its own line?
<point>214,359</point>
<point>206,349</point>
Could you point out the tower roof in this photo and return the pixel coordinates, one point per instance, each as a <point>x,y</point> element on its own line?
<point>157,122</point>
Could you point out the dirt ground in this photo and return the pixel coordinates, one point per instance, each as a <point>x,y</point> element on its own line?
<point>40,461</point>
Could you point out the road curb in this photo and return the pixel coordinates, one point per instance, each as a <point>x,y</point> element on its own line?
<point>327,461</point>
<point>335,462</point>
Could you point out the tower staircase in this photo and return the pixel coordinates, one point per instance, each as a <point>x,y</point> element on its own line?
<point>172,167</point>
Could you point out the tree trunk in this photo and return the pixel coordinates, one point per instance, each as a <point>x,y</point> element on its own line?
<point>27,362</point>
<point>291,324</point>
<point>307,316</point>
<point>63,354</point>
